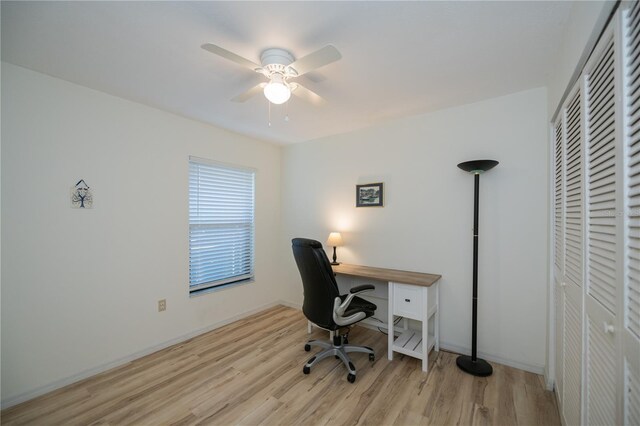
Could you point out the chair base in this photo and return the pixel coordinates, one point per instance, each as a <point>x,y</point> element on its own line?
<point>338,350</point>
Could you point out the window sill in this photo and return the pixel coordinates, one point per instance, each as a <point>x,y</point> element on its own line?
<point>220,287</point>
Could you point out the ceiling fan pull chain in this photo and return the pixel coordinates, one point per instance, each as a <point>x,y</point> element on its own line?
<point>286,111</point>
<point>269,113</point>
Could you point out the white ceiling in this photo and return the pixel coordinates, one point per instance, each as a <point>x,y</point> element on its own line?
<point>398,58</point>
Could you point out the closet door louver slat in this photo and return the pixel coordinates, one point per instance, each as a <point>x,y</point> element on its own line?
<point>558,253</point>
<point>573,200</point>
<point>632,302</point>
<point>632,390</point>
<point>631,313</point>
<point>572,352</point>
<point>601,373</point>
<point>559,339</point>
<point>601,175</point>
<point>558,200</point>
<point>573,260</point>
<point>601,280</point>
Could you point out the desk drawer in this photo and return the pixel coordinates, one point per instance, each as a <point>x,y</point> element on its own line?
<point>407,301</point>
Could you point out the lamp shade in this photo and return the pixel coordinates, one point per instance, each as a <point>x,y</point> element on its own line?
<point>277,91</point>
<point>334,240</point>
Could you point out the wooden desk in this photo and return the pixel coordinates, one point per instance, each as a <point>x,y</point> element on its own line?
<point>382,274</point>
<point>412,295</point>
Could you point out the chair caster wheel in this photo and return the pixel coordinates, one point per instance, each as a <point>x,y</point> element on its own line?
<point>307,347</point>
<point>372,357</point>
<point>306,370</point>
<point>351,378</point>
<point>336,356</point>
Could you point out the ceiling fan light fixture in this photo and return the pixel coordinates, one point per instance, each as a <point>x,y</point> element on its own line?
<point>277,91</point>
<point>279,66</point>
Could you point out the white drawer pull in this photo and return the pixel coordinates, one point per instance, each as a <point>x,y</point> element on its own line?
<point>609,328</point>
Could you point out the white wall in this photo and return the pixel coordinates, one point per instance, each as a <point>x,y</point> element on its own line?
<point>426,224</point>
<point>80,287</point>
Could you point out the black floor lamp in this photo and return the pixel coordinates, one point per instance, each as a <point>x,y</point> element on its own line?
<point>471,364</point>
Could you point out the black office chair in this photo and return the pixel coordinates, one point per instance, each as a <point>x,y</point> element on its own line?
<point>326,308</point>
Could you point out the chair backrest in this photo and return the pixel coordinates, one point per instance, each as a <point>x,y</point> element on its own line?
<point>318,280</point>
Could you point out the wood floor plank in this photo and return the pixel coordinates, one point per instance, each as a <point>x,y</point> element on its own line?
<point>256,416</point>
<point>250,373</point>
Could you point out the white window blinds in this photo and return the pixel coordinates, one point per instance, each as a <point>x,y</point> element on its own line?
<point>221,224</point>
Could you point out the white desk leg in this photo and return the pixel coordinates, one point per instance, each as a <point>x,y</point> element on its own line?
<point>390,324</point>
<point>436,325</point>
<point>425,329</point>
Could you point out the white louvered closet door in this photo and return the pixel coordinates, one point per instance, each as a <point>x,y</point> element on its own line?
<point>631,296</point>
<point>596,233</point>
<point>573,258</point>
<point>558,240</point>
<point>602,273</point>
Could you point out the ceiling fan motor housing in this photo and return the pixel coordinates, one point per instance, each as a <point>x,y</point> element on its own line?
<point>276,61</point>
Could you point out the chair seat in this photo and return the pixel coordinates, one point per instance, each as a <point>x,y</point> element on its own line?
<point>358,304</point>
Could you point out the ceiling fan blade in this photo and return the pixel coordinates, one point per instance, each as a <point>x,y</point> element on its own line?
<point>317,59</point>
<point>249,93</point>
<point>230,56</point>
<point>315,77</point>
<point>306,94</point>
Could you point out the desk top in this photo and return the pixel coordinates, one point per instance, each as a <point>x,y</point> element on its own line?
<point>393,275</point>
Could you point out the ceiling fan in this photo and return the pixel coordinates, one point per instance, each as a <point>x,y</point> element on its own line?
<point>279,67</point>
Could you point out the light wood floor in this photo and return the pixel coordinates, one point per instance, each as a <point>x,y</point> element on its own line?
<point>250,372</point>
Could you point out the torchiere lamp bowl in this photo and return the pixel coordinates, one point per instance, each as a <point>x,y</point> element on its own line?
<point>478,166</point>
<point>472,364</point>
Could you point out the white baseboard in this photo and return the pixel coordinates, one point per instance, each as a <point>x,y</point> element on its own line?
<point>537,369</point>
<point>290,304</point>
<point>57,384</point>
<point>549,382</point>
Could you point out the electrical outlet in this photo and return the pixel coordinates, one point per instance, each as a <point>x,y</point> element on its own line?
<point>162,305</point>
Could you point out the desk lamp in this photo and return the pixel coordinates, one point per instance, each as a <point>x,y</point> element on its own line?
<point>471,364</point>
<point>335,240</point>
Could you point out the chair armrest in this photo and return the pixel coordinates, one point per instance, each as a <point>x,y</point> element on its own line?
<point>355,290</point>
<point>361,288</point>
<point>340,308</point>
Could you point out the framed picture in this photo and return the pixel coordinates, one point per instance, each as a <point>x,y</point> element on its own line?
<point>369,195</point>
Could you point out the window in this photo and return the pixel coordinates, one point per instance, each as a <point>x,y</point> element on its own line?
<point>221,226</point>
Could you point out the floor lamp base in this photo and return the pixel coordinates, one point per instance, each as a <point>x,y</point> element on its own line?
<point>479,367</point>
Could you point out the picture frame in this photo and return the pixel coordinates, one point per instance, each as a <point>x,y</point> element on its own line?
<point>370,195</point>
<point>81,196</point>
